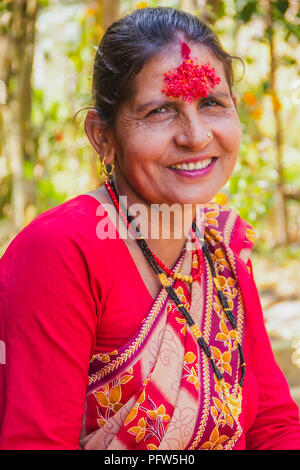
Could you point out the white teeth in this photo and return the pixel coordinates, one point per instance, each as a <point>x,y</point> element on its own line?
<point>192,166</point>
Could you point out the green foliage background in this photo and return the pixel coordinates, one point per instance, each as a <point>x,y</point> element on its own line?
<point>62,163</point>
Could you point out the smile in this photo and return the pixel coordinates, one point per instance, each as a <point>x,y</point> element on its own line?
<point>191,166</point>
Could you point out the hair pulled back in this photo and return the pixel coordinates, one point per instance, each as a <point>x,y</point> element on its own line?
<point>131,41</point>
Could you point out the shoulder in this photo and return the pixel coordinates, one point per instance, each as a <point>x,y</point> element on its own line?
<point>225,225</point>
<point>70,223</point>
<point>65,216</point>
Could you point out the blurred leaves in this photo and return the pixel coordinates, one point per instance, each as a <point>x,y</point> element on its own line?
<point>245,10</point>
<point>62,163</point>
<point>281,6</point>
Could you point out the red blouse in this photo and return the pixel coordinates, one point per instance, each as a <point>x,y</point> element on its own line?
<point>64,297</point>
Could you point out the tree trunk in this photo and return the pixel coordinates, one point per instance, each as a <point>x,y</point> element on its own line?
<point>282,210</point>
<point>16,69</point>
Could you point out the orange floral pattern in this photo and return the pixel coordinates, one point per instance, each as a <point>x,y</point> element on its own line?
<point>171,307</point>
<point>152,425</point>
<point>105,357</point>
<point>215,441</point>
<point>226,403</point>
<point>147,406</point>
<point>192,375</point>
<point>109,398</point>
<point>211,216</point>
<point>134,410</point>
<point>139,431</point>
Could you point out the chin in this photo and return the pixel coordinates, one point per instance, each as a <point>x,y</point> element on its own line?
<point>201,199</point>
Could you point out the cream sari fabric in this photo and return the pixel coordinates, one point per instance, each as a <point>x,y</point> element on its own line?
<point>158,391</point>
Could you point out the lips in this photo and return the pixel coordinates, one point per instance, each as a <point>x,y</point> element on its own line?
<point>195,163</point>
<point>190,166</point>
<point>193,169</point>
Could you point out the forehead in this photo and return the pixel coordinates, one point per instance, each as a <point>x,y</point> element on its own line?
<point>150,81</point>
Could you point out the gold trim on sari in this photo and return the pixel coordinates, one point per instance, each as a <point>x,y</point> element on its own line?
<point>158,391</point>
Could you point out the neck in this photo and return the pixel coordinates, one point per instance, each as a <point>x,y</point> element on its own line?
<point>165,227</point>
<point>159,221</point>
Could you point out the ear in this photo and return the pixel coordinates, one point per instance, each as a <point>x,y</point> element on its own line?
<point>95,130</point>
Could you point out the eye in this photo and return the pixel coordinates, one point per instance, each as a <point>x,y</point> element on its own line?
<point>212,103</point>
<point>160,110</point>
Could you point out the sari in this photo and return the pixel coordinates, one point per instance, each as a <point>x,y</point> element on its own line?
<point>158,390</point>
<point>73,305</point>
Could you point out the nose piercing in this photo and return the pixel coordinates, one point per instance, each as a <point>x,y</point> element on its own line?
<point>209,135</point>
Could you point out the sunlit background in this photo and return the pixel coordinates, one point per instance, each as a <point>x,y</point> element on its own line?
<point>47,49</point>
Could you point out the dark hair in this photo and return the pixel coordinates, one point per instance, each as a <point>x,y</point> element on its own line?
<point>131,41</point>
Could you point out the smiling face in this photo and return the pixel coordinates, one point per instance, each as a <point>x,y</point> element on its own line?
<point>163,153</point>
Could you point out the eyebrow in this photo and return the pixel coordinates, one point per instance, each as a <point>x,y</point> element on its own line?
<point>216,94</point>
<point>152,103</point>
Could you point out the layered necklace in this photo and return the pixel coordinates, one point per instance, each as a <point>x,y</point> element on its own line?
<point>166,277</point>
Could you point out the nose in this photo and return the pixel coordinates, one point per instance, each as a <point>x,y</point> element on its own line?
<point>193,133</point>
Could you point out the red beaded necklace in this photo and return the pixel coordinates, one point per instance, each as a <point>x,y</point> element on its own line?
<point>173,294</point>
<point>170,272</point>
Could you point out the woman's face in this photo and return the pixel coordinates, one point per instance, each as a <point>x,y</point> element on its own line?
<point>153,133</point>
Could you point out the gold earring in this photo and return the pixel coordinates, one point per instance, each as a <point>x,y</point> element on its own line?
<point>107,170</point>
<point>209,135</point>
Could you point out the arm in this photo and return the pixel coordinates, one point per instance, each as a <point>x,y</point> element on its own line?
<point>276,426</point>
<point>47,322</point>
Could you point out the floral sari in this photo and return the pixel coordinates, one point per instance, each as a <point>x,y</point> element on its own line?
<point>158,391</point>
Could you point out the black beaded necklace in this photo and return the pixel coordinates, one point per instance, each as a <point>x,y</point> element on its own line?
<point>223,301</point>
<point>171,291</point>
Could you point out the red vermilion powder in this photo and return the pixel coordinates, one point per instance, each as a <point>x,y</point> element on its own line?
<point>190,81</point>
<point>185,50</point>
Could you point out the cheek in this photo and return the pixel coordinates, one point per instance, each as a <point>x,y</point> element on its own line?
<point>140,152</point>
<point>230,136</point>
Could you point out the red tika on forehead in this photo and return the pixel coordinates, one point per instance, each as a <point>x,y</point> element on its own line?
<point>190,81</point>
<point>185,50</point>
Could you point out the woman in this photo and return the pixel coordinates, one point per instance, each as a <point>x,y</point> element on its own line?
<point>108,346</point>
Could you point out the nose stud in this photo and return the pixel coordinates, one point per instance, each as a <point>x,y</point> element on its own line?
<point>209,135</point>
